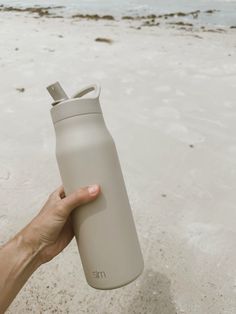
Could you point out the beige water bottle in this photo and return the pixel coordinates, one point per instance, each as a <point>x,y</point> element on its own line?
<point>86,154</point>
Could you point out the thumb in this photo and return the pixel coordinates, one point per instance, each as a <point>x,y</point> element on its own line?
<point>79,197</point>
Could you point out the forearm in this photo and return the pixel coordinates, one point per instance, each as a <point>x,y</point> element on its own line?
<point>18,260</point>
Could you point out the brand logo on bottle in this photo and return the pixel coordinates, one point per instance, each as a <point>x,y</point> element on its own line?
<point>99,274</point>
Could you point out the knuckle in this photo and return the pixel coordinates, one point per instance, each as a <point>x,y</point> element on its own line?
<point>59,208</point>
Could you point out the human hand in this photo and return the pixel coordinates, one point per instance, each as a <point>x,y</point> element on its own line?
<point>51,230</point>
<point>42,239</point>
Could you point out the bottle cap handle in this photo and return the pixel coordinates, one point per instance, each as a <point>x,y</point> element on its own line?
<point>95,88</point>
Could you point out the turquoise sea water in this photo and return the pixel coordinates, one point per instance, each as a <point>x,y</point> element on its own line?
<point>225,16</point>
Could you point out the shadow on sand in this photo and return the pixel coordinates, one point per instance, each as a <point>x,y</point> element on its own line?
<point>153,296</point>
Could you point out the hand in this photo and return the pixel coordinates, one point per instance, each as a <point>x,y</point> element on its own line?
<point>51,230</point>
<point>42,239</point>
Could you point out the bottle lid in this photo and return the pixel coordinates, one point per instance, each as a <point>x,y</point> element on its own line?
<point>65,107</point>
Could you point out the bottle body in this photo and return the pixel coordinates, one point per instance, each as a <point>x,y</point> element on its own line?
<point>104,229</point>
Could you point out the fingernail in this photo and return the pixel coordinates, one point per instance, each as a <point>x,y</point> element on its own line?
<point>93,189</point>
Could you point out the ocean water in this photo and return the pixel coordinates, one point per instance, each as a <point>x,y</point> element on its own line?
<point>225,15</point>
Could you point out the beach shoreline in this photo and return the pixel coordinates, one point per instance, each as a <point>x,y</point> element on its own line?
<point>182,18</point>
<point>178,20</point>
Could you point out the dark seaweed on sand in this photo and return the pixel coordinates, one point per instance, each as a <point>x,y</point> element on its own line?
<point>94,17</point>
<point>41,11</point>
<point>104,40</point>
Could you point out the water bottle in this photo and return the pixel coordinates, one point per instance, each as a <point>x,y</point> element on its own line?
<point>85,151</point>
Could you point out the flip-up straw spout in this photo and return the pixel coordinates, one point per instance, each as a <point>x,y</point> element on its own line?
<point>57,92</point>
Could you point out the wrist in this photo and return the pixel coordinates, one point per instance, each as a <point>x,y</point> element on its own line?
<point>26,243</point>
<point>26,253</point>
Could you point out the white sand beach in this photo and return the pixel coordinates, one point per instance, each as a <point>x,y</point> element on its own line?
<point>169,100</point>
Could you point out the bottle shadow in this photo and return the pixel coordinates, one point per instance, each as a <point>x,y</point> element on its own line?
<point>153,296</point>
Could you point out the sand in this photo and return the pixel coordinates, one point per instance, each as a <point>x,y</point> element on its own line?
<point>168,97</point>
